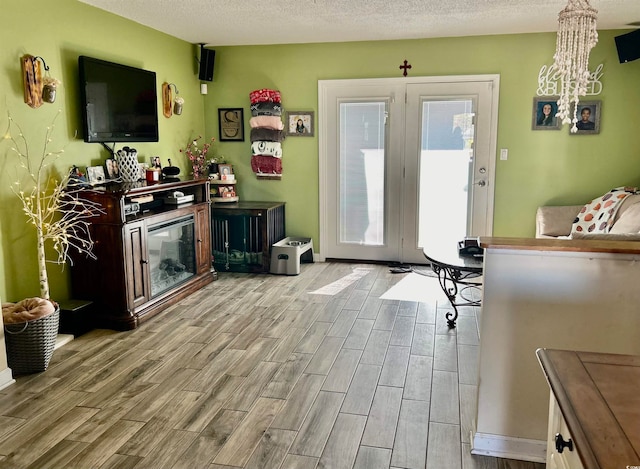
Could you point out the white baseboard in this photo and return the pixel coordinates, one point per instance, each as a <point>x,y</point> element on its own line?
<point>6,378</point>
<point>500,446</point>
<point>62,339</point>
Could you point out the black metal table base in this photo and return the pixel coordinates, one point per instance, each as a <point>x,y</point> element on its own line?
<point>450,279</point>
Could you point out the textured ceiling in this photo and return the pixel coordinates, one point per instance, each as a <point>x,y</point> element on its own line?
<point>242,22</point>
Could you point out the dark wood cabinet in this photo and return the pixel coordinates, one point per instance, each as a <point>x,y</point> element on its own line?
<point>203,239</point>
<point>242,234</point>
<point>150,250</point>
<point>135,275</point>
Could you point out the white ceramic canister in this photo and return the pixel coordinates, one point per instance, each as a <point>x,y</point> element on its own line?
<point>128,164</point>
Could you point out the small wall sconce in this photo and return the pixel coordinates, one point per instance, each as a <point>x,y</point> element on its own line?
<point>170,105</point>
<point>177,102</point>
<point>37,90</point>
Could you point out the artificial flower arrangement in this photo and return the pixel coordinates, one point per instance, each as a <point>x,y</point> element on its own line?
<point>50,81</point>
<point>198,156</point>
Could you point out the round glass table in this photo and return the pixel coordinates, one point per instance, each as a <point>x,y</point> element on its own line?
<point>456,274</point>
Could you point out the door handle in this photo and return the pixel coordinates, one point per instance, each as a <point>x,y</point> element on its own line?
<point>561,444</point>
<point>481,183</point>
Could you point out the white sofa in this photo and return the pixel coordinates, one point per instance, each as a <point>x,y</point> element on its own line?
<point>556,222</point>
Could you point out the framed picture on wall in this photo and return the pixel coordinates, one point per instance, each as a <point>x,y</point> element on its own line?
<point>299,123</point>
<point>544,113</point>
<point>231,124</point>
<point>588,118</point>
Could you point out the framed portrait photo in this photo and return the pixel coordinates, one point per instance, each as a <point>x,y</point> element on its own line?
<point>588,118</point>
<point>95,174</point>
<point>225,170</point>
<point>111,170</point>
<point>299,123</point>
<point>231,124</point>
<point>544,113</point>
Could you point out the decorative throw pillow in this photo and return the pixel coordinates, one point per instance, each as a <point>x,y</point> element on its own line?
<point>26,310</point>
<point>598,215</point>
<point>629,220</point>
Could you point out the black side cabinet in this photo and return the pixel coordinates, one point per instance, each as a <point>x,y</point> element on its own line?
<point>242,234</point>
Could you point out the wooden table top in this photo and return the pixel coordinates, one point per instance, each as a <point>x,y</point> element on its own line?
<point>248,205</point>
<point>561,245</point>
<point>599,395</point>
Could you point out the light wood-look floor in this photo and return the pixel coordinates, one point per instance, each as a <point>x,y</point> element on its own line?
<point>253,371</point>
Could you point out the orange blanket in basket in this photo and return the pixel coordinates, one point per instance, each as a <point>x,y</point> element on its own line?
<point>28,309</point>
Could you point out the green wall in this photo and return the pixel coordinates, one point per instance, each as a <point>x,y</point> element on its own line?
<point>59,32</point>
<point>544,167</point>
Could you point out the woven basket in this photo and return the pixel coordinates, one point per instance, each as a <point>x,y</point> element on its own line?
<point>30,344</point>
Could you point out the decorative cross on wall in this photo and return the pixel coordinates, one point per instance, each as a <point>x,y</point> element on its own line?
<point>405,66</point>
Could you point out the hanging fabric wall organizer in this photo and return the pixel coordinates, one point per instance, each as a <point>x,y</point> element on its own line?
<point>266,133</point>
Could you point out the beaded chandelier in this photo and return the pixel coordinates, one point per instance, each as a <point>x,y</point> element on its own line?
<point>577,35</point>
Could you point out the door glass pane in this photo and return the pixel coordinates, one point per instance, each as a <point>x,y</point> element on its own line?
<point>446,168</point>
<point>361,173</point>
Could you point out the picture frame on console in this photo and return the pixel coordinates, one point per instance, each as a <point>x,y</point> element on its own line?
<point>588,114</point>
<point>544,113</point>
<point>95,174</point>
<point>225,170</point>
<point>111,169</point>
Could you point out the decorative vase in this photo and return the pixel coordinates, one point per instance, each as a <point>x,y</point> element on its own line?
<point>128,165</point>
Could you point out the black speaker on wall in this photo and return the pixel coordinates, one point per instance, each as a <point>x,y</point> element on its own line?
<point>628,46</point>
<point>207,59</point>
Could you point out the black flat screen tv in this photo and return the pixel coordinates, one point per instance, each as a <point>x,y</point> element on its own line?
<point>119,103</point>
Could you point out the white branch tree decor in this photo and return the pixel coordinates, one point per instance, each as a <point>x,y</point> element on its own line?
<point>59,214</point>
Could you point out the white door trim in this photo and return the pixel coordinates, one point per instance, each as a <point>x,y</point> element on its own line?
<point>323,125</point>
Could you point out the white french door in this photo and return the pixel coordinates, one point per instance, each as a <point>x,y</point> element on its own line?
<point>404,162</point>
<point>448,164</point>
<point>362,169</point>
